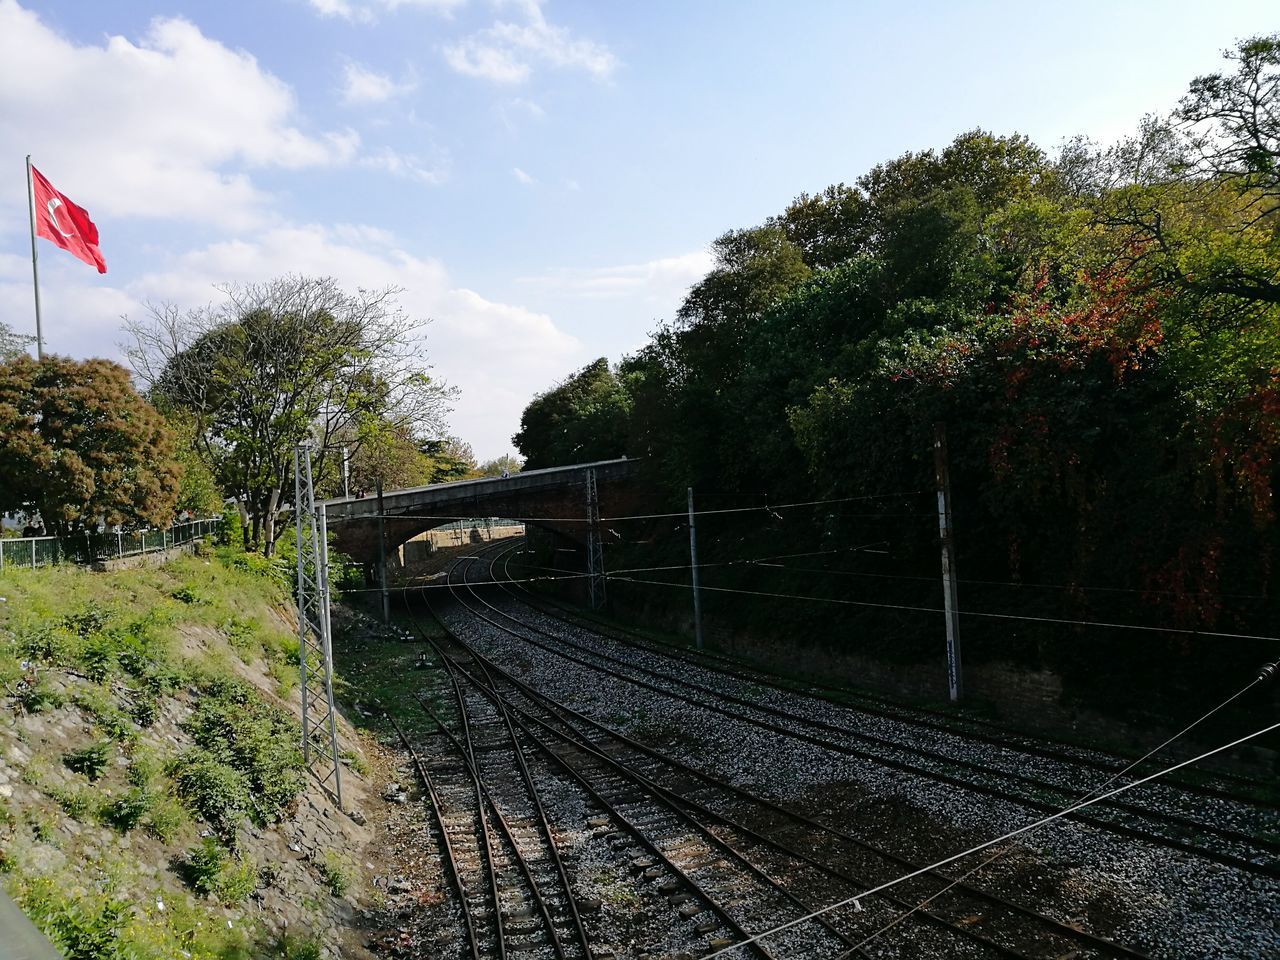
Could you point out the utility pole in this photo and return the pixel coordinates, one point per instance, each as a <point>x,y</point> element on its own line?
<point>693,565</point>
<point>595,546</point>
<point>315,653</point>
<point>346,473</point>
<point>950,599</point>
<point>382,558</point>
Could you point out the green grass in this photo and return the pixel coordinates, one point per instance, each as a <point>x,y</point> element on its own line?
<point>116,647</point>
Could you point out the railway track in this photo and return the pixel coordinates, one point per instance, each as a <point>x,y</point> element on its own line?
<point>516,898</point>
<point>1252,851</point>
<point>819,862</point>
<point>1234,787</point>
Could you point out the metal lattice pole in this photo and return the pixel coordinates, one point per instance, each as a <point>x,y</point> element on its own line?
<point>319,719</point>
<point>595,547</point>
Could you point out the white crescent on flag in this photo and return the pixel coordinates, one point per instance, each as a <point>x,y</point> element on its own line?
<point>53,216</point>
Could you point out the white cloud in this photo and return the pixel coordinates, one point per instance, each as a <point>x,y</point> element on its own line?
<point>408,165</point>
<point>366,11</point>
<point>506,52</point>
<point>662,281</point>
<point>161,127</point>
<point>360,85</point>
<point>523,177</point>
<point>498,354</point>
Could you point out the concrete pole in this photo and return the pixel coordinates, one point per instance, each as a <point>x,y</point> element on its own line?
<point>382,559</point>
<point>693,566</point>
<point>950,598</point>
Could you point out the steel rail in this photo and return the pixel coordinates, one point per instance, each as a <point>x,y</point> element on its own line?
<point>648,843</point>
<point>868,703</point>
<point>1228,859</point>
<point>450,857</point>
<point>1085,938</point>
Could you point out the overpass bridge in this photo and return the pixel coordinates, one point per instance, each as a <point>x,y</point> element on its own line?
<point>555,498</point>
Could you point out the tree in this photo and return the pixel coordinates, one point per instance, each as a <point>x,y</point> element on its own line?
<point>500,465</point>
<point>451,459</point>
<point>80,446</point>
<point>387,454</point>
<point>580,420</point>
<point>12,344</point>
<point>277,363</point>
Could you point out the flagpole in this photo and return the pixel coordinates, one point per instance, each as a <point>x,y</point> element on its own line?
<point>35,272</point>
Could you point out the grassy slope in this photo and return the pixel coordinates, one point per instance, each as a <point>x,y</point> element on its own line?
<point>139,711</point>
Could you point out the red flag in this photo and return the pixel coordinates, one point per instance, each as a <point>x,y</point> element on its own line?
<point>65,223</point>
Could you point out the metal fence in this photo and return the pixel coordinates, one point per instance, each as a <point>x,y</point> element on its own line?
<point>89,547</point>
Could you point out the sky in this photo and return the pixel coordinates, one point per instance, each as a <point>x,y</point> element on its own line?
<point>542,179</point>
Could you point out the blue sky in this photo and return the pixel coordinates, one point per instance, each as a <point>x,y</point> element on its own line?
<point>543,179</point>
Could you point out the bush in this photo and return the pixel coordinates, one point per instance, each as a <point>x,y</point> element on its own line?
<point>126,812</point>
<point>165,820</point>
<point>84,928</point>
<point>92,619</point>
<point>187,594</point>
<point>89,761</point>
<point>146,710</point>
<point>337,873</point>
<point>216,791</point>
<point>43,641</point>
<point>79,804</point>
<point>39,696</point>
<point>289,947</point>
<point>98,657</point>
<point>257,740</point>
<point>209,869</point>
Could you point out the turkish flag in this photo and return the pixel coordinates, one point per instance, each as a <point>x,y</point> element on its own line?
<point>65,223</point>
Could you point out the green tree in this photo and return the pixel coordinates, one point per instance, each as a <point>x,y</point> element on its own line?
<point>281,362</point>
<point>499,465</point>
<point>79,445</point>
<point>580,420</point>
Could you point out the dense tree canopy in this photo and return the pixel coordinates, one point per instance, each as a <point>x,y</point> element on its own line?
<point>80,446</point>
<point>1099,330</point>
<point>580,420</point>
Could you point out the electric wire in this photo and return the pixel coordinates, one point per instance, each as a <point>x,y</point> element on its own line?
<point>644,516</point>
<point>1181,631</point>
<point>1262,677</point>
<point>756,938</point>
<point>1024,584</point>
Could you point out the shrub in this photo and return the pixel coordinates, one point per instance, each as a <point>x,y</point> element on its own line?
<point>89,761</point>
<point>41,824</point>
<point>146,710</point>
<point>144,767</point>
<point>43,641</point>
<point>290,947</point>
<point>165,819</point>
<point>79,804</point>
<point>337,873</point>
<point>216,791</point>
<point>39,696</point>
<point>187,594</point>
<point>203,863</point>
<point>92,619</point>
<point>82,928</point>
<point>236,728</point>
<point>98,657</point>
<point>209,869</point>
<point>114,722</point>
<point>127,811</point>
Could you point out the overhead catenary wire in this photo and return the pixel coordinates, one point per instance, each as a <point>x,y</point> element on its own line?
<point>1264,674</point>
<point>1181,631</point>
<point>1067,811</point>
<point>1028,585</point>
<point>767,507</point>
